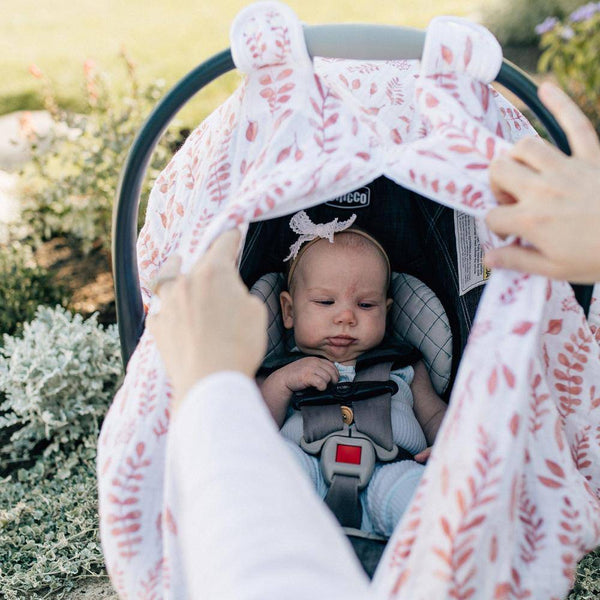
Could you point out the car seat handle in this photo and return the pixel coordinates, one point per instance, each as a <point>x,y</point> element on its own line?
<point>363,41</point>
<point>337,41</point>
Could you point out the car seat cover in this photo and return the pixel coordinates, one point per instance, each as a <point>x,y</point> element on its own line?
<point>515,473</point>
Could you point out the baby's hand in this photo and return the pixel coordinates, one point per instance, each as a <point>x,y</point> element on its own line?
<point>309,372</point>
<point>423,457</point>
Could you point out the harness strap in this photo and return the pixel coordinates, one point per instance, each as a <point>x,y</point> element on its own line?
<point>343,501</point>
<point>373,416</point>
<point>320,421</point>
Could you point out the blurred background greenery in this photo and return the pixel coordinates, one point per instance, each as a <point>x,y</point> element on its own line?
<point>166,40</point>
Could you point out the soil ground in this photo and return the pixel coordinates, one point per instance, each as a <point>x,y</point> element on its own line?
<point>87,278</point>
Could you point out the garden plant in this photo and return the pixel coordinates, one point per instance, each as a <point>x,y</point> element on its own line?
<point>570,52</point>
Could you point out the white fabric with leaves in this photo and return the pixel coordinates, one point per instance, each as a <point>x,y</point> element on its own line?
<point>509,499</point>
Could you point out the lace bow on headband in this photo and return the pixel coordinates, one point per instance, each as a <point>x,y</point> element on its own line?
<point>301,224</point>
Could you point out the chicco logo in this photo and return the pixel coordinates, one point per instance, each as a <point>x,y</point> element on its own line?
<point>356,199</point>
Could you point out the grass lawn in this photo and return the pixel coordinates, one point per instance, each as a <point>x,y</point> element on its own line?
<point>165,40</point>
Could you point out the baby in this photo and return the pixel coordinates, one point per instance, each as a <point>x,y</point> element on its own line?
<point>337,304</point>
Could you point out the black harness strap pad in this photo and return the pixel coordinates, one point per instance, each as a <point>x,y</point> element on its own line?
<point>319,421</point>
<point>373,416</point>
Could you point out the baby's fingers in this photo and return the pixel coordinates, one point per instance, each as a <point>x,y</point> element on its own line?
<point>423,457</point>
<point>318,380</point>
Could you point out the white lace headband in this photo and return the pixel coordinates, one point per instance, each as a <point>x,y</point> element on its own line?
<point>311,232</point>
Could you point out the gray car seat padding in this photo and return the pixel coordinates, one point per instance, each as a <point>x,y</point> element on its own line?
<point>416,316</point>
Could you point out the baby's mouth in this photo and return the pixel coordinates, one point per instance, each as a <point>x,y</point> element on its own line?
<point>341,340</point>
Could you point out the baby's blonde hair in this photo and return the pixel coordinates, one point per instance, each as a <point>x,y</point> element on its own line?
<point>349,238</point>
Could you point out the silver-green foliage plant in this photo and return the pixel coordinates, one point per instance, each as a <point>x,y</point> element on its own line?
<point>69,187</point>
<point>49,528</point>
<point>513,21</point>
<point>58,380</point>
<point>587,581</point>
<point>570,50</point>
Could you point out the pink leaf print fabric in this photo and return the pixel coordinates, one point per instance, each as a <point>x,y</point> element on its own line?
<point>509,500</point>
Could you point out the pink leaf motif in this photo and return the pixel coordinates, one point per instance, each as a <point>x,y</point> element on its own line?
<point>514,424</point>
<point>332,120</point>
<point>343,172</point>
<point>286,88</point>
<point>490,145</point>
<point>267,93</point>
<point>251,131</point>
<point>283,154</point>
<point>447,54</point>
<point>468,51</point>
<point>285,73</point>
<point>522,328</point>
<point>493,381</point>
<point>461,149</point>
<point>555,468</point>
<point>431,101</point>
<point>551,483</point>
<point>554,326</point>
<point>509,376</point>
<point>396,137</point>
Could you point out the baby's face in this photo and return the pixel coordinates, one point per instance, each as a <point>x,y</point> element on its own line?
<point>338,305</point>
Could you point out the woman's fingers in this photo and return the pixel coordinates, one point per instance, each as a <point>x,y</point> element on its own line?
<point>224,249</point>
<point>527,260</point>
<point>537,154</point>
<point>508,176</point>
<point>168,271</point>
<point>578,129</point>
<point>509,220</point>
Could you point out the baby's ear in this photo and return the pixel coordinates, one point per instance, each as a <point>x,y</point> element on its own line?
<point>388,303</point>
<point>287,309</point>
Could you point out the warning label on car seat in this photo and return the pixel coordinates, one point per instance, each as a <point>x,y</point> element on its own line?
<point>471,271</point>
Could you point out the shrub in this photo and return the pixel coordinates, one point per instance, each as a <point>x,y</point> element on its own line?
<point>587,582</point>
<point>513,21</point>
<point>23,286</point>
<point>570,50</point>
<point>70,186</point>
<point>58,380</point>
<point>49,528</point>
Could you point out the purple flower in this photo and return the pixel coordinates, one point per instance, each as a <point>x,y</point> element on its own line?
<point>583,13</point>
<point>567,33</point>
<point>548,25</point>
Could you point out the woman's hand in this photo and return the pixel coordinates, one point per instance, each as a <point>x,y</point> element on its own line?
<point>550,200</point>
<point>208,321</point>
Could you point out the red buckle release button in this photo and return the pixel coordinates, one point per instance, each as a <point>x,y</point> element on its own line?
<point>348,454</point>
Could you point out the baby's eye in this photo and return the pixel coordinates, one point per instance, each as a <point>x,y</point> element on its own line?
<point>366,305</point>
<point>324,302</point>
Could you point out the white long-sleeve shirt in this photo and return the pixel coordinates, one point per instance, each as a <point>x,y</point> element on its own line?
<point>250,524</point>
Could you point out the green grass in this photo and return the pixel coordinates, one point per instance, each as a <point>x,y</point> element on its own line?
<point>165,41</point>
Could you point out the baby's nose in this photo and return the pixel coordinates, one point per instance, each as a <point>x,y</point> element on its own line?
<point>346,315</point>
